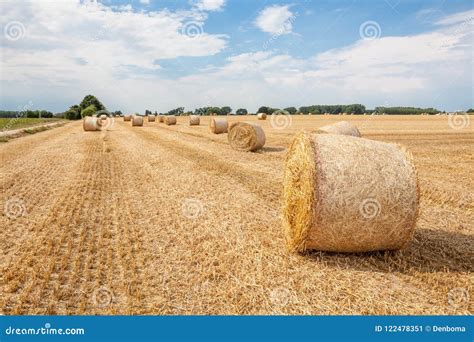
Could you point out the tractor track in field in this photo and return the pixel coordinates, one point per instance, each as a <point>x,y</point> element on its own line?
<point>263,184</point>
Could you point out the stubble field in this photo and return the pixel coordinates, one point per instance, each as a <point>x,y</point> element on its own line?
<point>170,220</point>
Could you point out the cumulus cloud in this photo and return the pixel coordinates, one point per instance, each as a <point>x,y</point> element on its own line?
<point>209,5</point>
<point>275,20</point>
<point>71,49</point>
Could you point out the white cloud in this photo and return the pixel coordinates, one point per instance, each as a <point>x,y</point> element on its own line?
<point>145,2</point>
<point>467,16</point>
<point>209,5</point>
<point>72,49</point>
<point>275,19</point>
<point>110,42</point>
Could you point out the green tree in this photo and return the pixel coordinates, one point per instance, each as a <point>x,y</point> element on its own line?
<point>91,100</point>
<point>73,113</point>
<point>291,110</point>
<point>225,110</point>
<point>263,109</point>
<point>89,111</point>
<point>470,110</point>
<point>241,111</point>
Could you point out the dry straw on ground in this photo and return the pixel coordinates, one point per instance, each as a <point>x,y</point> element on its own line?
<point>91,124</point>
<point>262,116</point>
<point>170,120</point>
<point>127,117</point>
<point>137,120</point>
<point>151,118</point>
<point>218,126</point>
<point>341,127</point>
<point>348,194</point>
<point>194,120</point>
<point>246,136</point>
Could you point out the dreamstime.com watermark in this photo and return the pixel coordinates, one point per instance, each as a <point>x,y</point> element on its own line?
<point>370,30</point>
<point>458,298</point>
<point>281,119</point>
<point>14,30</point>
<point>46,330</point>
<point>459,121</point>
<point>14,208</point>
<point>192,208</point>
<point>103,297</point>
<point>370,208</point>
<point>192,29</point>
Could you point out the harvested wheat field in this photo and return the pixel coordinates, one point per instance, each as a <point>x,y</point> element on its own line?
<point>171,220</point>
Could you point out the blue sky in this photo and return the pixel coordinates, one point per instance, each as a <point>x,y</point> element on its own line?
<point>163,54</point>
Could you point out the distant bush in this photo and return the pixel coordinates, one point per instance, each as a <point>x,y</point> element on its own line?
<point>291,110</point>
<point>89,111</point>
<point>241,111</point>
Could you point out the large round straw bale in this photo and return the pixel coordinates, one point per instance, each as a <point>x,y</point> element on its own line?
<point>161,118</point>
<point>170,120</point>
<point>348,194</point>
<point>127,117</point>
<point>261,116</point>
<point>151,118</point>
<point>137,120</point>
<point>246,136</point>
<point>218,126</point>
<point>341,127</point>
<point>91,123</point>
<point>194,120</point>
<point>103,117</point>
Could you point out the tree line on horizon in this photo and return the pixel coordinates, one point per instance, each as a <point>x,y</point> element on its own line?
<point>91,105</point>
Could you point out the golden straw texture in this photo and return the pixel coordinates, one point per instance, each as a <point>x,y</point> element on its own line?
<point>194,120</point>
<point>91,123</point>
<point>127,117</point>
<point>137,120</point>
<point>341,127</point>
<point>246,136</point>
<point>218,126</point>
<point>262,116</point>
<point>170,120</point>
<point>151,118</point>
<point>348,194</point>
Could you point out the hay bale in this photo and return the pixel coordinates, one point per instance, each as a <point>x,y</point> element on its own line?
<point>127,117</point>
<point>151,118</point>
<point>341,127</point>
<point>161,118</point>
<point>261,116</point>
<point>218,126</point>
<point>103,117</point>
<point>194,120</point>
<point>137,120</point>
<point>246,136</point>
<point>348,194</point>
<point>91,124</point>
<point>170,120</point>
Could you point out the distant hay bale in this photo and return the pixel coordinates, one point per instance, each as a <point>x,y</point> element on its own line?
<point>170,120</point>
<point>261,116</point>
<point>161,118</point>
<point>127,117</point>
<point>218,126</point>
<point>341,127</point>
<point>103,117</point>
<point>348,194</point>
<point>246,136</point>
<point>194,120</point>
<point>151,118</point>
<point>137,120</point>
<point>91,124</point>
